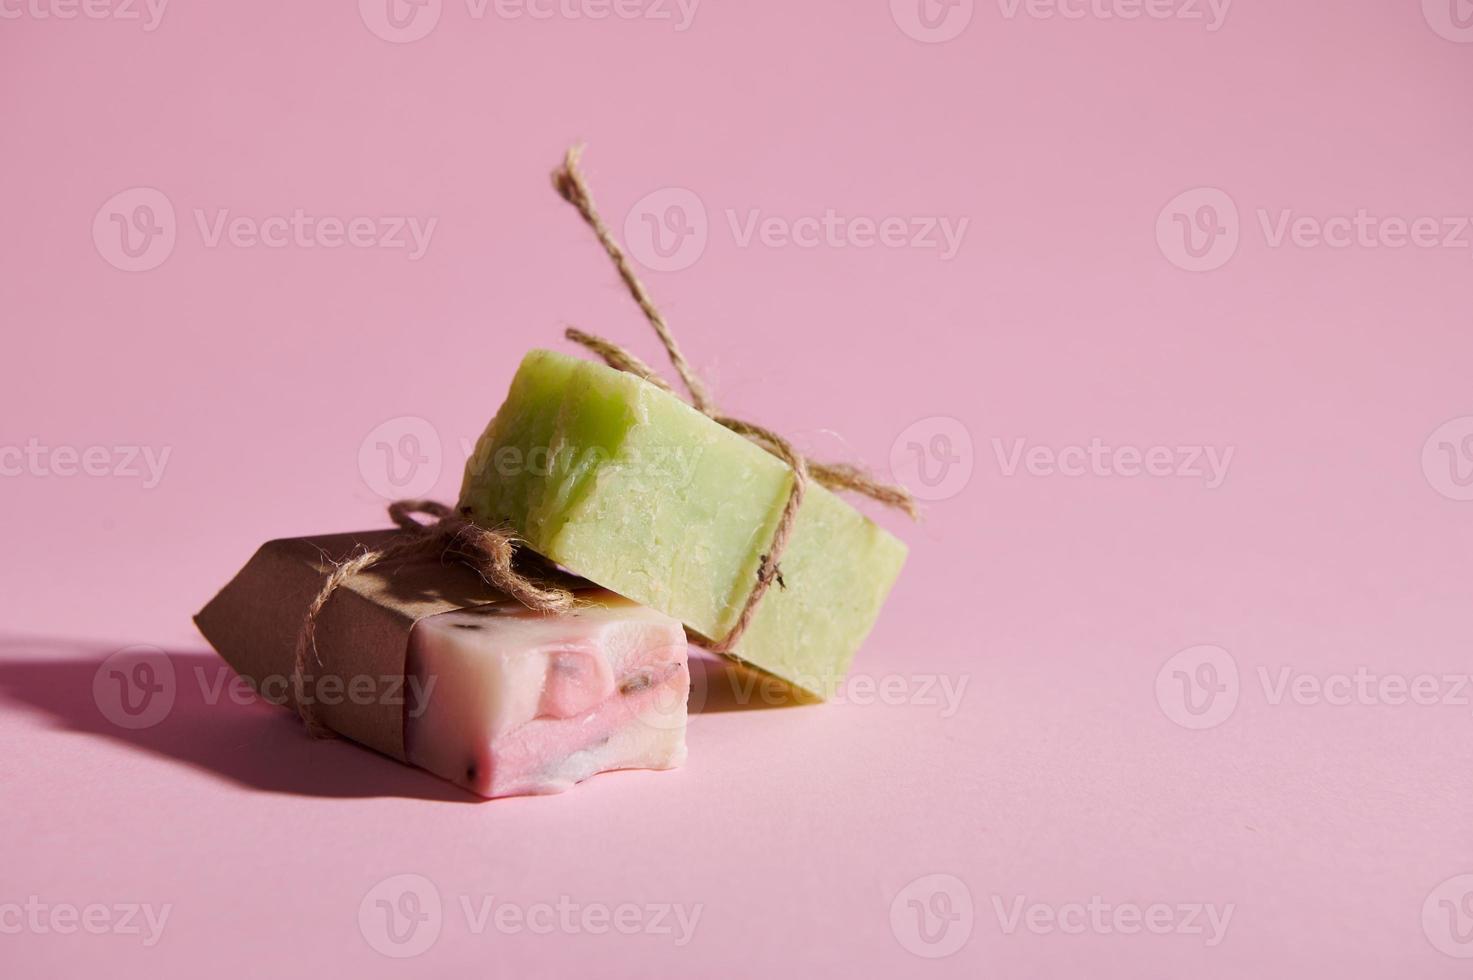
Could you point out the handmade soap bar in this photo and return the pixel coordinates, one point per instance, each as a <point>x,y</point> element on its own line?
<point>419,658</point>
<point>630,487</point>
<point>528,703</point>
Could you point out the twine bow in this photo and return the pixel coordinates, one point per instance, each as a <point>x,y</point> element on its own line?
<point>493,553</point>
<point>489,552</point>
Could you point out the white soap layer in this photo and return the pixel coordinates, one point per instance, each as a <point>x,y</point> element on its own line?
<point>524,702</point>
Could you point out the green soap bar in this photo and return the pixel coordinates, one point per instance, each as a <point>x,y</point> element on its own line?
<point>630,487</point>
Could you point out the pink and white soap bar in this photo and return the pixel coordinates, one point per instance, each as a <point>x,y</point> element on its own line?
<point>529,703</point>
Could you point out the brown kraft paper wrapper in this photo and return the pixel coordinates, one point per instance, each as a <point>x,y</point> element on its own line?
<point>356,682</point>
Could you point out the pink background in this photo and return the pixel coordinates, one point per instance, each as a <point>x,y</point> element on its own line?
<point>1333,544</point>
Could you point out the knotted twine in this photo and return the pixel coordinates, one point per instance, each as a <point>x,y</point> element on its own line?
<point>493,552</point>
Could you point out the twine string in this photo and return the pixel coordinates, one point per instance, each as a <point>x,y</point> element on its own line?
<point>492,553</point>
<point>570,185</point>
<point>489,552</point>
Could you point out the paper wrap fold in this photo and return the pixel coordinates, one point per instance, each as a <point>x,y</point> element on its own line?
<point>356,680</point>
